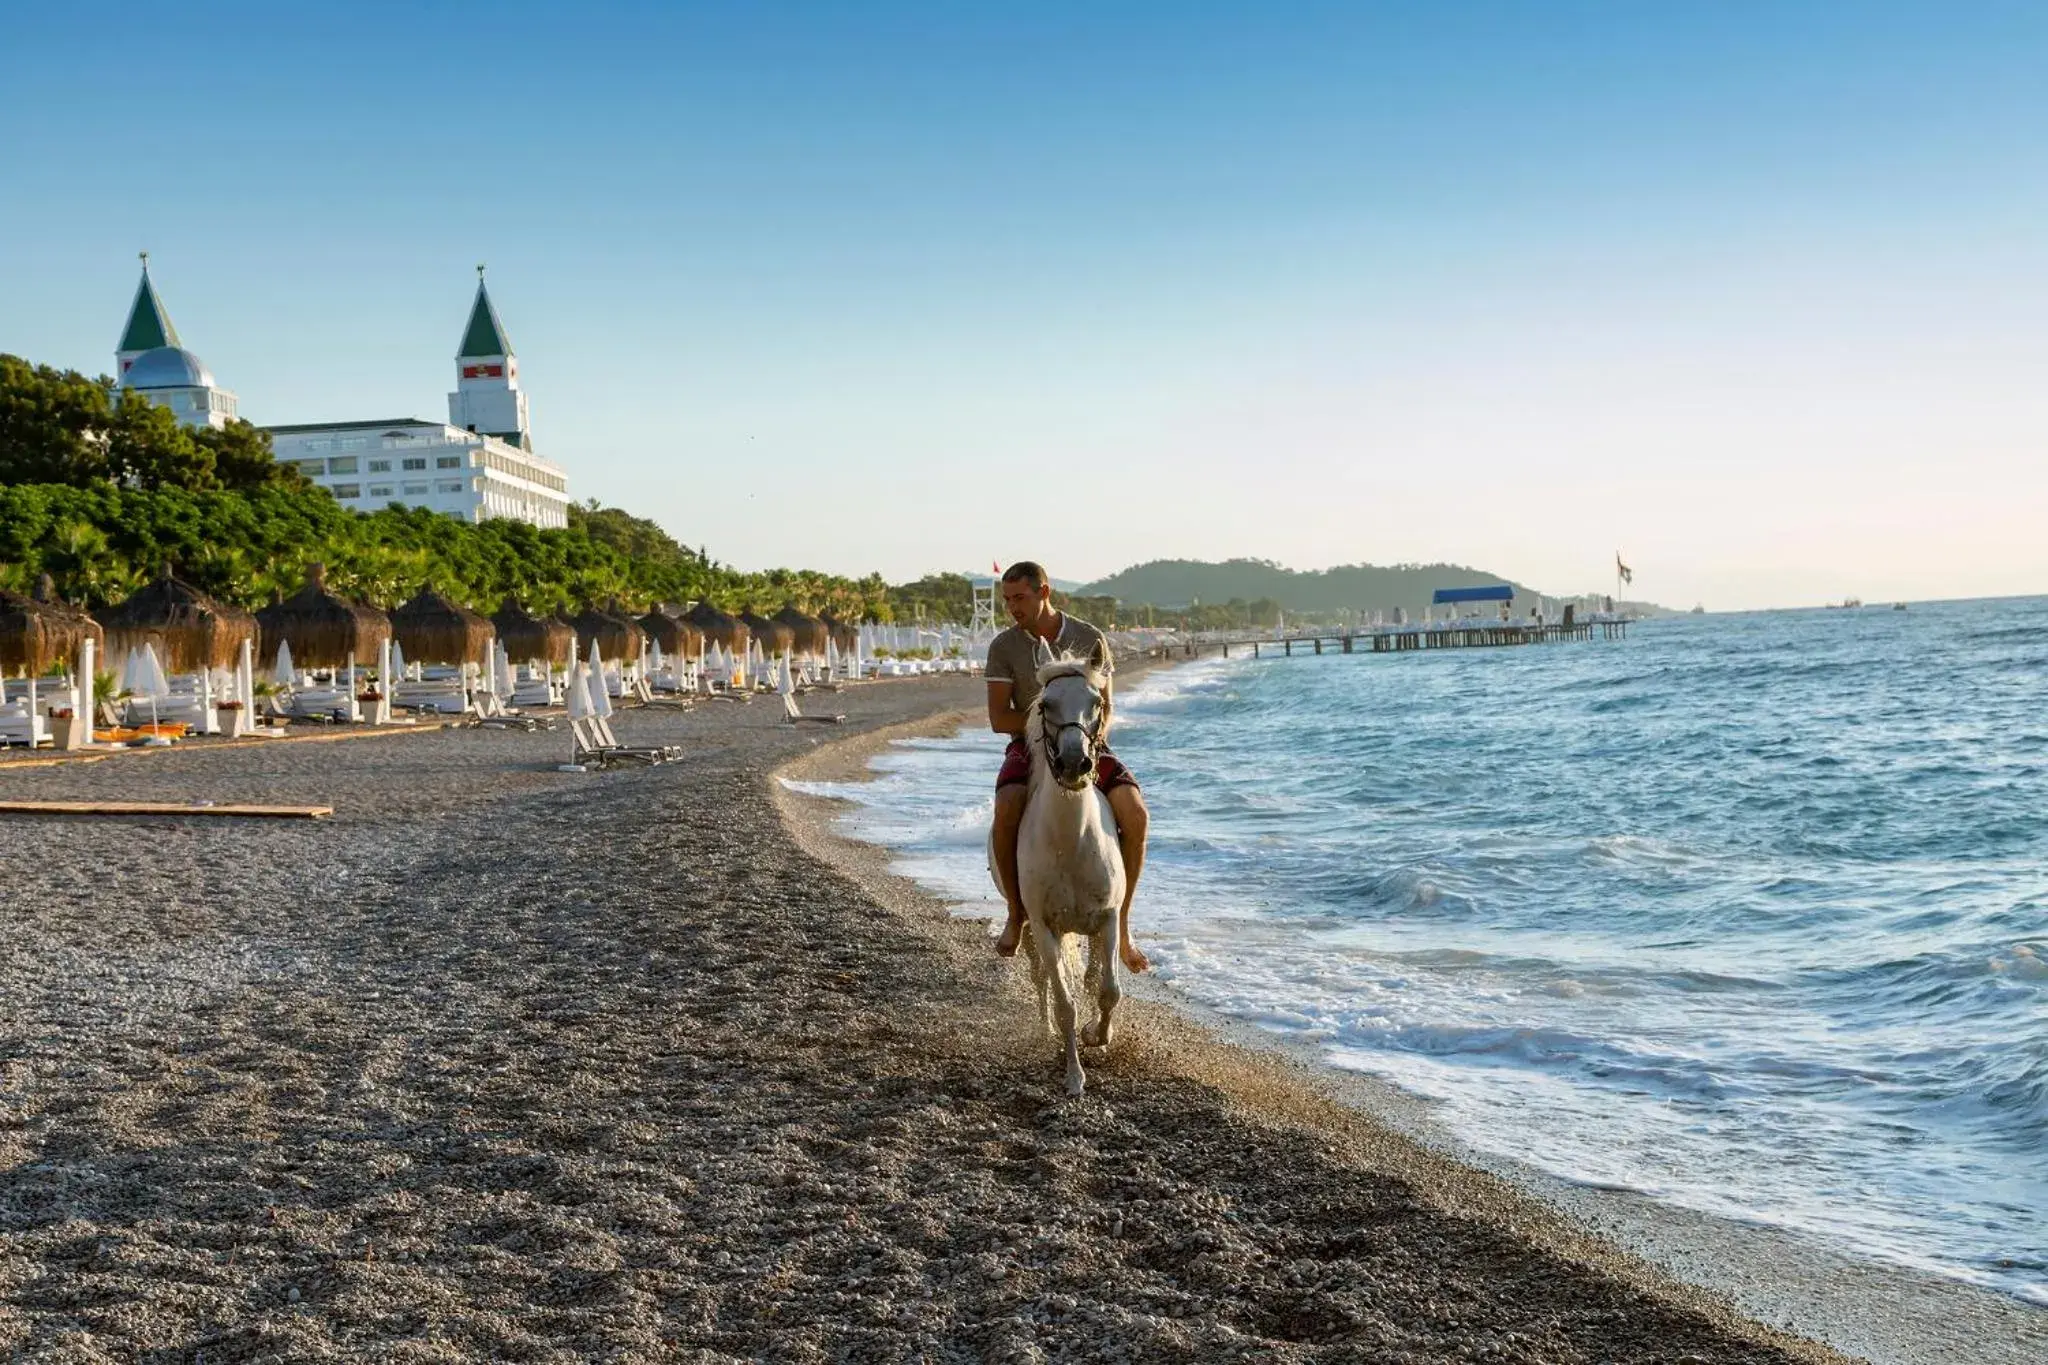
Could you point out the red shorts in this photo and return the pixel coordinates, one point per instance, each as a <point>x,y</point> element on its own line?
<point>1110,773</point>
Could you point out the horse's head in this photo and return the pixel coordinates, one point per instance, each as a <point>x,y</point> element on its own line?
<point>1070,720</point>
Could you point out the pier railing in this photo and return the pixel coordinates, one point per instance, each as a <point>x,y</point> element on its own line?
<point>1397,639</point>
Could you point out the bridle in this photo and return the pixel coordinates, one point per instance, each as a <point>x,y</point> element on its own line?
<point>1048,734</point>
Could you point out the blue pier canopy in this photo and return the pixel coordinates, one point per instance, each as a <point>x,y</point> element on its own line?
<point>1499,592</point>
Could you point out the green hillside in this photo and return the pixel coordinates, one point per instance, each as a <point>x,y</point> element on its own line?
<point>1176,583</point>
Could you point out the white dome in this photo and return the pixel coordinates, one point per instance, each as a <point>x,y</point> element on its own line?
<point>167,367</point>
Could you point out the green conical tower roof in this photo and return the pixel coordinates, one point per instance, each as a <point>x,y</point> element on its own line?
<point>485,335</point>
<point>149,326</point>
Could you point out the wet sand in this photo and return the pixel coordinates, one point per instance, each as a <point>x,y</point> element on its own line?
<point>507,1064</point>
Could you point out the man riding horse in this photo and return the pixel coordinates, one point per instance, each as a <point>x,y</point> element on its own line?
<point>1012,676</point>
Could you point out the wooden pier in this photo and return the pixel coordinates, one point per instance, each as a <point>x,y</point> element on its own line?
<point>1398,639</point>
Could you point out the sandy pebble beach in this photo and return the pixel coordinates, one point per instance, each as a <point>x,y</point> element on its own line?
<point>507,1064</point>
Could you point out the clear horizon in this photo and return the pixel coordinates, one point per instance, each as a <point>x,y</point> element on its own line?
<point>1754,298</point>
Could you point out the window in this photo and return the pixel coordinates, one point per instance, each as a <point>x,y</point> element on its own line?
<point>447,462</point>
<point>342,464</point>
<point>315,467</point>
<point>348,490</point>
<point>380,466</point>
<point>352,442</point>
<point>415,462</point>
<point>380,490</point>
<point>447,485</point>
<point>415,490</point>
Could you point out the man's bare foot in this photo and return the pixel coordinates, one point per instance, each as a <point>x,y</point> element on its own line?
<point>1134,960</point>
<point>1006,945</point>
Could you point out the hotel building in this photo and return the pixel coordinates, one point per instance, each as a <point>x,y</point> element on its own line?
<point>477,465</point>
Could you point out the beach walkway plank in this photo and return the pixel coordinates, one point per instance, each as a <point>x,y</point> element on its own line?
<point>162,808</point>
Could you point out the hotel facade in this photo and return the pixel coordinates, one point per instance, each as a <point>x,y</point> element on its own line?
<point>476,466</point>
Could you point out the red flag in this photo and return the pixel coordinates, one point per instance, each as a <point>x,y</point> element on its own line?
<point>994,567</point>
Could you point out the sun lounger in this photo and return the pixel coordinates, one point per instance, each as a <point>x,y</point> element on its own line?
<point>442,696</point>
<point>314,703</point>
<point>794,716</point>
<point>657,753</point>
<point>129,734</point>
<point>508,721</point>
<point>18,725</point>
<point>595,743</point>
<point>536,691</point>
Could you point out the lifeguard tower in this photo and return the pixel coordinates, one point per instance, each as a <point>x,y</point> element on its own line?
<point>983,624</point>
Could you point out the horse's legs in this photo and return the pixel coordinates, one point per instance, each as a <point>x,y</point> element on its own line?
<point>1048,954</point>
<point>1102,952</point>
<point>1039,977</point>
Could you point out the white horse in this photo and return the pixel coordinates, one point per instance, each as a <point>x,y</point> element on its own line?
<point>1070,868</point>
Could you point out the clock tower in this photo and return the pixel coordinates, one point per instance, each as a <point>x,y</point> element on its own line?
<point>487,397</point>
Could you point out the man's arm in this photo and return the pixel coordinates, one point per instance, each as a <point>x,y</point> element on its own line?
<point>1003,718</point>
<point>1106,661</point>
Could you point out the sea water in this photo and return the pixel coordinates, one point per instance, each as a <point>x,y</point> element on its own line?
<point>1748,913</point>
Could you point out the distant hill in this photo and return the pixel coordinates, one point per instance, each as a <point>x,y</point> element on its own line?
<point>1349,587</point>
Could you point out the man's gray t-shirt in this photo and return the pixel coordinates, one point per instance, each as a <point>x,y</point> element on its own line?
<point>1013,656</point>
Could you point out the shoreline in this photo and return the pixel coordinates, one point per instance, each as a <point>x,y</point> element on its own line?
<point>1865,1308</point>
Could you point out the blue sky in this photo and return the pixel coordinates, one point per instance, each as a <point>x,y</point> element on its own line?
<point>1757,294</point>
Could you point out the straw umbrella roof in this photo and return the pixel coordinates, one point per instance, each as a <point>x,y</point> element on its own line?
<point>45,595</point>
<point>773,635</point>
<point>42,631</point>
<point>718,627</point>
<point>672,633</point>
<point>324,631</point>
<point>611,629</point>
<point>808,631</point>
<point>559,628</point>
<point>431,629</point>
<point>190,629</point>
<point>533,637</point>
<point>845,634</point>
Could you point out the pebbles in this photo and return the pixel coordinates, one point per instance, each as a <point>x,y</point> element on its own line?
<point>610,1067</point>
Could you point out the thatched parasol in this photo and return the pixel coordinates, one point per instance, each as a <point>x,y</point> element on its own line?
<point>719,628</point>
<point>613,631</point>
<point>809,632</point>
<point>323,630</point>
<point>433,630</point>
<point>672,633</point>
<point>190,630</point>
<point>548,639</point>
<point>772,636</point>
<point>558,628</point>
<point>42,632</point>
<point>845,634</point>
